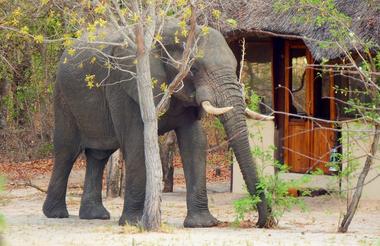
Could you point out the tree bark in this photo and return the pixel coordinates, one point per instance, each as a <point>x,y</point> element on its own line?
<point>359,186</point>
<point>3,93</point>
<point>151,218</point>
<point>167,149</point>
<point>113,179</point>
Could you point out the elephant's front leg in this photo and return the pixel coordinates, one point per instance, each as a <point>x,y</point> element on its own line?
<point>192,144</point>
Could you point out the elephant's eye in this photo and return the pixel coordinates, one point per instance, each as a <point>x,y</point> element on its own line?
<point>193,71</point>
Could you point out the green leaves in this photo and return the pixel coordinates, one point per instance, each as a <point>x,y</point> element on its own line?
<point>233,23</point>
<point>2,220</point>
<point>245,205</point>
<point>253,101</point>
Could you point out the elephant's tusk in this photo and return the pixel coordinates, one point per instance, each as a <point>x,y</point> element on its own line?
<point>256,116</point>
<point>207,106</point>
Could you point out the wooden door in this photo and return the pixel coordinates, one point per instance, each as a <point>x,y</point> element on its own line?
<point>306,142</point>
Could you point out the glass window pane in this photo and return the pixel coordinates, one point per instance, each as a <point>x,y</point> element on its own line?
<point>322,94</point>
<point>298,81</point>
<point>257,73</point>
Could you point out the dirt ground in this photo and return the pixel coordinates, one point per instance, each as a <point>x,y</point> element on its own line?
<point>26,225</point>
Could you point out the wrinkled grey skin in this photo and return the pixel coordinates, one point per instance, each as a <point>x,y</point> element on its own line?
<point>101,120</point>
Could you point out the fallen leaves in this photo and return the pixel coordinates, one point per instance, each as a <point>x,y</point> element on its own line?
<point>16,171</point>
<point>217,169</point>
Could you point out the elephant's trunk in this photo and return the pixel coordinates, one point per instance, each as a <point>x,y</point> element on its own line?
<point>229,93</point>
<point>237,133</point>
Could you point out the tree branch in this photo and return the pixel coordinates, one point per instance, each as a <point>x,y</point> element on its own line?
<point>184,67</point>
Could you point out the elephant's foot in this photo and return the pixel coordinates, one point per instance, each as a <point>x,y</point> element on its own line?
<point>200,219</point>
<point>132,218</point>
<point>55,209</point>
<point>92,212</point>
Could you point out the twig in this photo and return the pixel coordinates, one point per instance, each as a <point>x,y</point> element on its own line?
<point>29,183</point>
<point>358,192</point>
<point>242,60</point>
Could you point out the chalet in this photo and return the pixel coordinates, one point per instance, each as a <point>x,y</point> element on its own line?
<point>281,57</point>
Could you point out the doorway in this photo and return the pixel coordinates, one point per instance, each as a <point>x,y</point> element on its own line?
<point>308,137</point>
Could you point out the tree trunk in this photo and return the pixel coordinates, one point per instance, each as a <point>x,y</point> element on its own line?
<point>113,179</point>
<point>151,218</point>
<point>3,93</point>
<point>167,149</point>
<point>359,186</point>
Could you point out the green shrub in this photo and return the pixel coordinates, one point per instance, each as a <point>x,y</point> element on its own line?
<point>277,194</point>
<point>2,220</point>
<point>276,188</point>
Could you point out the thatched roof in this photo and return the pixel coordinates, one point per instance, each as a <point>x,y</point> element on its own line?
<point>259,16</point>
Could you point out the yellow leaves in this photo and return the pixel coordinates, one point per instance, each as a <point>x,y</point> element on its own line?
<point>90,80</point>
<point>199,54</point>
<point>124,11</point>
<point>163,87</point>
<point>108,65</point>
<point>187,13</point>
<point>91,37</point>
<point>100,9</point>
<point>24,30</point>
<point>17,12</point>
<point>78,33</point>
<point>93,60</point>
<point>182,24</point>
<point>216,13</point>
<point>149,19</point>
<point>232,22</point>
<point>68,41</point>
<point>158,37</point>
<point>91,27</point>
<point>161,13</point>
<point>135,17</point>
<point>102,22</point>
<point>39,39</point>
<point>71,51</point>
<point>181,3</point>
<point>205,30</point>
<point>154,82</point>
<point>176,39</point>
<point>81,21</point>
<point>15,17</point>
<point>65,60</point>
<point>184,32</point>
<point>201,6</point>
<point>44,2</point>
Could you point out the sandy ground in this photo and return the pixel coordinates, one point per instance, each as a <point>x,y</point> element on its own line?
<point>26,224</point>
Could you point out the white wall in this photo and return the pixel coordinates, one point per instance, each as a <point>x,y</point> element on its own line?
<point>262,134</point>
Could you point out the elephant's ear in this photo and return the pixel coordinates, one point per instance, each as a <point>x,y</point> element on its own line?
<point>174,44</point>
<point>130,87</point>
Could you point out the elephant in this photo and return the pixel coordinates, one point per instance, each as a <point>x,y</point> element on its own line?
<point>99,120</point>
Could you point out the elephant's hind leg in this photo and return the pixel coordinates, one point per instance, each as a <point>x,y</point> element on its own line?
<point>66,151</point>
<point>192,144</point>
<point>91,204</point>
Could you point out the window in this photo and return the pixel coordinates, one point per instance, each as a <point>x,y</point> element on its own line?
<point>322,95</point>
<point>348,88</point>
<point>298,63</point>
<point>257,73</point>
